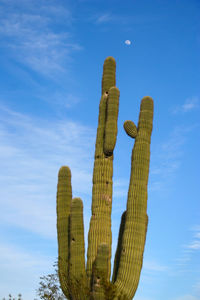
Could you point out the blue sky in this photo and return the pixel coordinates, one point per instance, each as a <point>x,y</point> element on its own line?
<point>51,57</point>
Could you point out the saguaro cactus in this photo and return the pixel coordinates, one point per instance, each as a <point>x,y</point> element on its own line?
<point>93,282</point>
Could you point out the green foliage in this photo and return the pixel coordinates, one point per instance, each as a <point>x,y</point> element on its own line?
<point>49,287</point>
<point>12,298</point>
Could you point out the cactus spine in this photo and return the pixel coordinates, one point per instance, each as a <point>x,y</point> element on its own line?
<point>94,281</point>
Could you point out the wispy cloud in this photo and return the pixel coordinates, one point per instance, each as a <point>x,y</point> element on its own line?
<point>190,104</point>
<point>186,297</point>
<point>12,255</point>
<point>195,228</point>
<point>104,18</point>
<point>152,272</point>
<point>195,243</point>
<point>142,298</point>
<point>197,235</point>
<point>153,266</point>
<point>22,268</point>
<point>59,98</point>
<point>32,151</point>
<point>183,260</point>
<point>189,250</point>
<point>109,18</point>
<point>30,38</point>
<point>196,286</point>
<point>166,158</point>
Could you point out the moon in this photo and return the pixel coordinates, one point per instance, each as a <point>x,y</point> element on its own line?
<point>128,42</point>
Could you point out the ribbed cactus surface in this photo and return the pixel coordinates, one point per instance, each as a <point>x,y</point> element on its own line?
<point>93,282</point>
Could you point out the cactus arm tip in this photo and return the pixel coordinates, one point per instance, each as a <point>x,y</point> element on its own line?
<point>108,78</point>
<point>110,58</point>
<point>110,135</point>
<point>130,128</point>
<point>64,198</point>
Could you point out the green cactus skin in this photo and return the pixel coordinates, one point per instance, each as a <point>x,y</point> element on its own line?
<point>135,227</point>
<point>64,198</point>
<point>130,128</point>
<point>93,281</point>
<point>100,223</point>
<point>108,78</point>
<point>77,246</point>
<point>100,269</point>
<point>111,121</point>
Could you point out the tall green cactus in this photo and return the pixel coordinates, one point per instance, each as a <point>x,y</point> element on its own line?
<point>93,282</point>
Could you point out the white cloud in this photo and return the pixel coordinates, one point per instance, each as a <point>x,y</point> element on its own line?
<point>104,18</point>
<point>195,228</point>
<point>197,235</point>
<point>186,297</point>
<point>188,251</point>
<point>120,187</point>
<point>195,245</point>
<point>23,269</point>
<point>29,37</point>
<point>142,298</point>
<point>153,266</point>
<point>60,99</point>
<point>183,260</point>
<point>12,255</point>
<point>196,286</point>
<point>189,105</point>
<point>32,151</point>
<point>166,158</point>
<point>110,18</point>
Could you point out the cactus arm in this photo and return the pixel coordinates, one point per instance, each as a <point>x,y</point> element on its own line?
<point>100,222</point>
<point>108,78</point>
<point>77,249</point>
<point>134,235</point>
<point>111,120</point>
<point>119,247</point>
<point>130,128</point>
<point>100,271</point>
<point>64,198</point>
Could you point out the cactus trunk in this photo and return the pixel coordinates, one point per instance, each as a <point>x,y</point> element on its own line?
<point>93,282</point>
